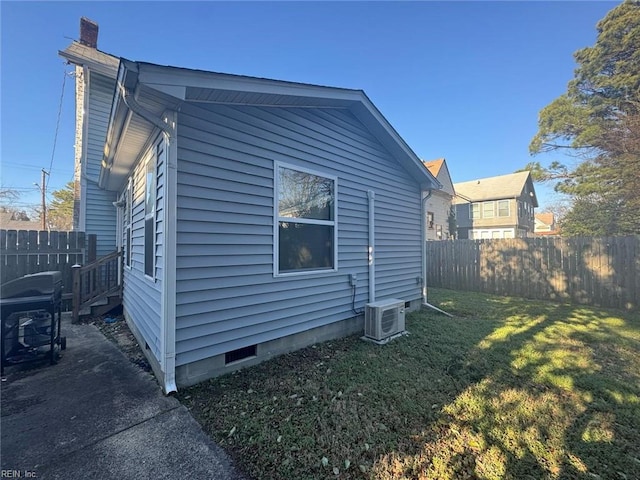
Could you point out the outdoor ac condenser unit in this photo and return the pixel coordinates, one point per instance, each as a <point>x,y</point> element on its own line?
<point>384,319</point>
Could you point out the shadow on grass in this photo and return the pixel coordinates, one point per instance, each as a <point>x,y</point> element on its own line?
<point>509,388</point>
<point>543,394</point>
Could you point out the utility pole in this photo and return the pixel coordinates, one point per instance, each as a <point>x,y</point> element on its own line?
<point>43,190</point>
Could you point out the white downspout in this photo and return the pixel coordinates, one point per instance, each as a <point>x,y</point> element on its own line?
<point>119,227</point>
<point>169,272</point>
<point>371,195</point>
<point>423,223</point>
<point>167,124</point>
<point>423,237</point>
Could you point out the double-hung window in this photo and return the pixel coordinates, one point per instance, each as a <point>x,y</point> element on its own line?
<point>150,214</point>
<point>474,210</point>
<point>503,208</point>
<point>305,227</point>
<point>488,209</point>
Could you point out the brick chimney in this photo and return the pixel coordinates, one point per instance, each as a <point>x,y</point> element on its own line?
<point>88,32</point>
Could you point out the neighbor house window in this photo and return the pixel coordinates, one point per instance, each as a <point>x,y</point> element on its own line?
<point>150,214</point>
<point>503,208</point>
<point>474,210</point>
<point>305,227</point>
<point>430,220</point>
<point>488,209</point>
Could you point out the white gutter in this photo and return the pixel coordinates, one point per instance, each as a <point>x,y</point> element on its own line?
<point>130,101</point>
<point>423,224</point>
<point>371,195</point>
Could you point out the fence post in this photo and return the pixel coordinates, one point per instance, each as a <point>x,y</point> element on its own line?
<point>76,293</point>
<point>93,248</point>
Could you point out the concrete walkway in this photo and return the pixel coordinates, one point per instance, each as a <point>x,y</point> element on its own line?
<point>94,415</point>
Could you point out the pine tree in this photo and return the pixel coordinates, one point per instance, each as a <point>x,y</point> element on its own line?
<point>60,210</point>
<point>598,118</point>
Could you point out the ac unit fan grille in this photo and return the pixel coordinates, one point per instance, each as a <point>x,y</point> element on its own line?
<point>389,320</point>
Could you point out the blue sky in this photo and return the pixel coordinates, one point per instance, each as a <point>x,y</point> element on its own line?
<point>460,80</point>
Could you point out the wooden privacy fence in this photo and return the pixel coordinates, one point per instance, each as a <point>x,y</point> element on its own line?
<point>29,251</point>
<point>595,271</point>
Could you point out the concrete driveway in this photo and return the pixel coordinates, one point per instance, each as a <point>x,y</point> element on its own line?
<point>94,415</point>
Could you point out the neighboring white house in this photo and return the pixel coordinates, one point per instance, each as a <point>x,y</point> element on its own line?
<point>249,211</point>
<point>545,224</point>
<point>496,207</point>
<point>439,203</point>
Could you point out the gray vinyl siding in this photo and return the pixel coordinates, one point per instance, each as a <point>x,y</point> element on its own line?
<point>100,214</point>
<point>142,294</point>
<point>227,296</point>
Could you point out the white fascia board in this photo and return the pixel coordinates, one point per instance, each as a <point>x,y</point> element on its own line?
<point>95,60</point>
<point>118,119</point>
<point>159,75</point>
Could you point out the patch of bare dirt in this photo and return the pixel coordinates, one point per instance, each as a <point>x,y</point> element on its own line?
<point>115,328</point>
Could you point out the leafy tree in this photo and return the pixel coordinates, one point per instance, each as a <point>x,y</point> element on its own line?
<point>60,210</point>
<point>598,120</point>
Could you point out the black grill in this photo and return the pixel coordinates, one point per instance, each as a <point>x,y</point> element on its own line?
<point>31,311</point>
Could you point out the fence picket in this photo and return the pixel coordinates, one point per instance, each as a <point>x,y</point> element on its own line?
<point>32,246</point>
<point>23,249</point>
<point>11,263</point>
<point>44,262</point>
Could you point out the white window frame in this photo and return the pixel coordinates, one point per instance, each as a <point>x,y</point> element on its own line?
<point>508,208</point>
<point>493,209</point>
<point>150,162</point>
<point>277,219</point>
<point>479,212</point>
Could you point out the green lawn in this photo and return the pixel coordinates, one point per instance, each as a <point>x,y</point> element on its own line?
<point>509,388</point>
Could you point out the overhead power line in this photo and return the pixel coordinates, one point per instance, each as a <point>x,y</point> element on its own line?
<point>18,166</point>
<point>55,137</point>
